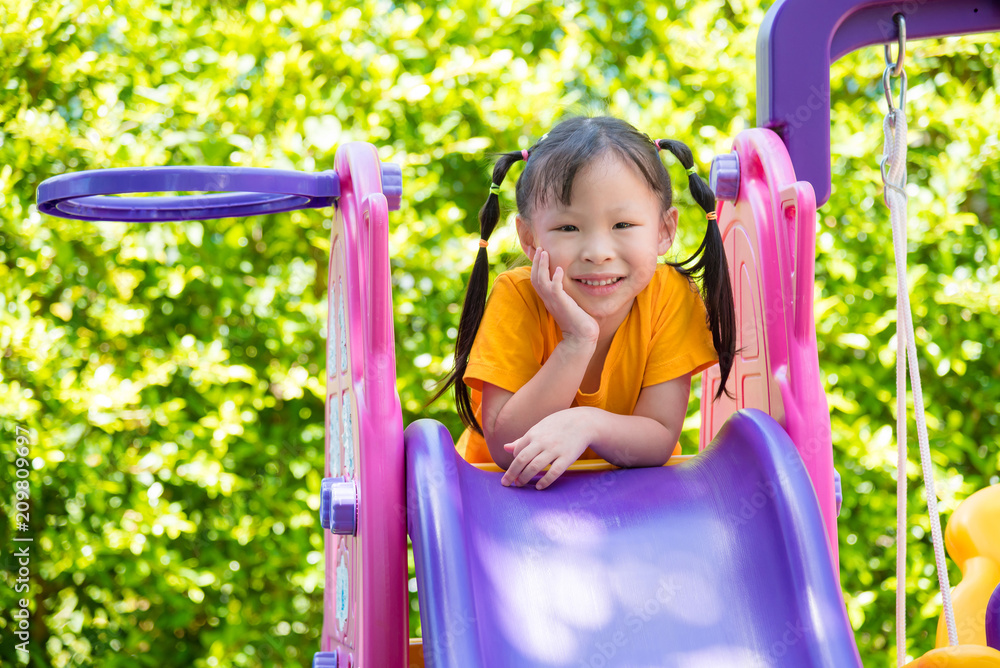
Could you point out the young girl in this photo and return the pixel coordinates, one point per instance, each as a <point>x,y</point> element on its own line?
<point>590,350</point>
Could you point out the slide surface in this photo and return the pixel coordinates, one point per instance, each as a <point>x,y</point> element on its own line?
<point>718,561</point>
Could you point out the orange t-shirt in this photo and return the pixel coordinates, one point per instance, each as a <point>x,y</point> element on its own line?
<point>664,336</point>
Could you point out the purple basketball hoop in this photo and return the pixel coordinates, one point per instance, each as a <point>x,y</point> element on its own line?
<point>234,191</point>
<point>231,192</point>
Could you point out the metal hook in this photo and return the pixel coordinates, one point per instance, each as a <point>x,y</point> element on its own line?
<point>887,84</point>
<point>894,69</point>
<point>897,67</point>
<point>889,186</point>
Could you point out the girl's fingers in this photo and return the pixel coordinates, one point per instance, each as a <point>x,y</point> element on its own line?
<point>557,468</point>
<point>550,288</point>
<point>544,270</point>
<point>534,468</point>
<point>554,282</point>
<point>512,447</point>
<point>515,470</point>
<point>542,280</point>
<point>540,273</point>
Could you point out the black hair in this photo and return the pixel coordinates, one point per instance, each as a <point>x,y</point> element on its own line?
<point>551,167</point>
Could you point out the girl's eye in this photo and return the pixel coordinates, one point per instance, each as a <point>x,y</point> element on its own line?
<point>623,226</point>
<point>567,228</point>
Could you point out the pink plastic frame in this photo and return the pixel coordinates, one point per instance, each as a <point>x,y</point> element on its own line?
<point>769,234</point>
<point>364,427</point>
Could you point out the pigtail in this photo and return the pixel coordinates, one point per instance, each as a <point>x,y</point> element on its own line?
<point>709,261</point>
<point>475,297</point>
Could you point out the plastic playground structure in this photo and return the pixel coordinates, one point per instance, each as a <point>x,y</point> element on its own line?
<point>725,558</point>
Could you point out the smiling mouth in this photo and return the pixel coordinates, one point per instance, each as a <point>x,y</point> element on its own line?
<point>608,281</point>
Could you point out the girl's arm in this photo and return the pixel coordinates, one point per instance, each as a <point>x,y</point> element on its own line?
<point>508,416</point>
<point>645,438</point>
<point>649,435</point>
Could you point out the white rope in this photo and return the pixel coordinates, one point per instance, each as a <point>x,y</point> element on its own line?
<point>901,457</point>
<point>895,196</point>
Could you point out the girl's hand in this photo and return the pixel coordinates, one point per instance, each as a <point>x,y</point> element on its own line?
<point>557,441</point>
<point>577,325</point>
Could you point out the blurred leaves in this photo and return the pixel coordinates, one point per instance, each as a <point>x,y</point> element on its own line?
<point>172,375</point>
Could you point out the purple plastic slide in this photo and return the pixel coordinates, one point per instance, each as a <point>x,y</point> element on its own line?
<point>719,561</point>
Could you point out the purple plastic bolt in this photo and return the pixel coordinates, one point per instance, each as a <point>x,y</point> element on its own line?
<point>325,660</point>
<point>392,184</point>
<point>338,506</point>
<point>838,490</point>
<point>326,499</point>
<point>724,179</point>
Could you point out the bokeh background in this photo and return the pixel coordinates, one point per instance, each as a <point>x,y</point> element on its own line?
<point>172,375</point>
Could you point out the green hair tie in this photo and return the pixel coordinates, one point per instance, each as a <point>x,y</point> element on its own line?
<point>692,170</point>
<point>494,189</point>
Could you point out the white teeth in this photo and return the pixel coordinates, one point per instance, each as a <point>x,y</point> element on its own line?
<point>606,282</point>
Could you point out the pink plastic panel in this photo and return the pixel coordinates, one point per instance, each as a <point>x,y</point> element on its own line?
<point>365,603</point>
<point>769,234</point>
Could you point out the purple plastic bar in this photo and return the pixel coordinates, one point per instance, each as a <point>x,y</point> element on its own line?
<point>236,192</point>
<point>719,561</point>
<point>798,41</point>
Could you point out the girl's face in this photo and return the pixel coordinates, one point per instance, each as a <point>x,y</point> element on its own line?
<point>607,240</point>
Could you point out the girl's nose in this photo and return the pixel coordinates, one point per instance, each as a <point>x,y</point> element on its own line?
<point>597,249</point>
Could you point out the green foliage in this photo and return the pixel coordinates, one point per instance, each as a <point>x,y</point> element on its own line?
<point>173,374</point>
